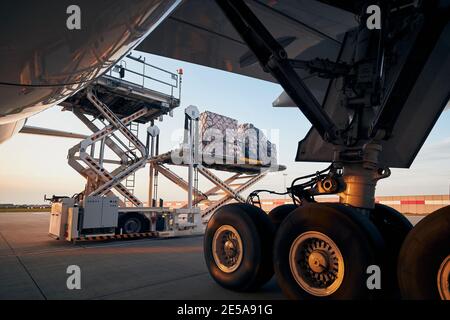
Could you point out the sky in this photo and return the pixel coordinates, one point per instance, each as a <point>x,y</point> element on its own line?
<point>31,166</point>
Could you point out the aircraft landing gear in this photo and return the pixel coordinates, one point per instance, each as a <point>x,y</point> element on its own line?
<point>424,261</point>
<point>278,214</point>
<point>394,227</point>
<point>322,251</point>
<point>238,247</point>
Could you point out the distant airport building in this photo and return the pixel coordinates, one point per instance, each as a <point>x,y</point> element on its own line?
<point>405,204</point>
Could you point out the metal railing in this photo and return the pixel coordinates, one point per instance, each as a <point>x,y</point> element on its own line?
<point>141,73</point>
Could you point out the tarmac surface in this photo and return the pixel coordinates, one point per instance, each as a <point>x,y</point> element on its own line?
<point>34,266</point>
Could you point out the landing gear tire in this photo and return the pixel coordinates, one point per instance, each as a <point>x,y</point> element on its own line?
<point>394,227</point>
<point>278,214</point>
<point>322,251</point>
<point>238,247</point>
<point>424,260</point>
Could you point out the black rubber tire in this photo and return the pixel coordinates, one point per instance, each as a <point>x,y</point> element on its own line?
<point>394,227</point>
<point>421,255</point>
<point>132,216</point>
<point>278,214</point>
<point>257,234</point>
<point>355,235</point>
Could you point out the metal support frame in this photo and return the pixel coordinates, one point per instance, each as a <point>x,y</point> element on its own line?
<point>360,168</point>
<point>239,188</point>
<point>274,59</point>
<point>130,181</point>
<point>432,26</point>
<point>101,181</point>
<point>153,148</point>
<point>179,181</point>
<point>195,196</point>
<point>227,189</point>
<point>115,129</point>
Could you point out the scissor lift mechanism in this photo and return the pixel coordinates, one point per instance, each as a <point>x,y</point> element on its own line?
<point>245,173</point>
<point>95,171</point>
<point>112,108</point>
<point>227,190</point>
<point>119,105</point>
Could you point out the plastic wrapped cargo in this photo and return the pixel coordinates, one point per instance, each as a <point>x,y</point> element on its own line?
<point>213,126</point>
<point>218,135</point>
<point>254,143</point>
<point>222,137</point>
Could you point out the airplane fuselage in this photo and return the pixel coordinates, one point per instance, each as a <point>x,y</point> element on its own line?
<point>49,50</point>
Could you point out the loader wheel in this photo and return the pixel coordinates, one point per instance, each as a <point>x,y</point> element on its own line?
<point>238,247</point>
<point>394,227</point>
<point>278,214</point>
<point>131,223</point>
<point>322,251</point>
<point>424,260</point>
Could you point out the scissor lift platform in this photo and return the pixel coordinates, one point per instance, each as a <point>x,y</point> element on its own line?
<point>119,105</point>
<point>243,166</point>
<point>124,98</point>
<point>112,108</point>
<point>246,172</point>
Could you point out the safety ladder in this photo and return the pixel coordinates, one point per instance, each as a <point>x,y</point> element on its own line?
<point>130,181</point>
<point>133,157</point>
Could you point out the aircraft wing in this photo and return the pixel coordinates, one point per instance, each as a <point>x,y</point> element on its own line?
<point>198,32</point>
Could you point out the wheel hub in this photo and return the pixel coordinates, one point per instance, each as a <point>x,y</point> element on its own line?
<point>316,263</point>
<point>230,249</point>
<point>227,248</point>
